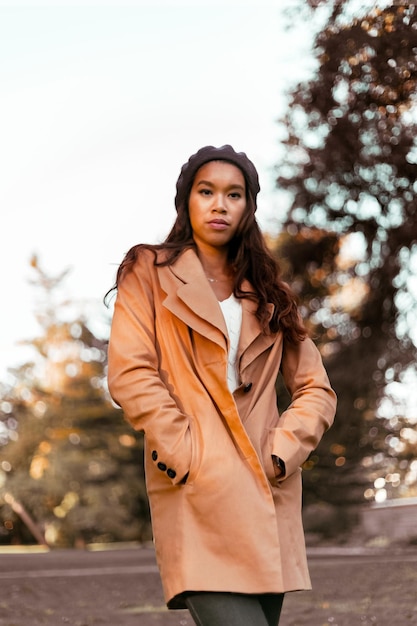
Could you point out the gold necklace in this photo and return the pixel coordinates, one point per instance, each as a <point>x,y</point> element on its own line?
<point>217,280</point>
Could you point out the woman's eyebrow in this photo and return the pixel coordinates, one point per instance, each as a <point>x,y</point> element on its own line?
<point>207,183</point>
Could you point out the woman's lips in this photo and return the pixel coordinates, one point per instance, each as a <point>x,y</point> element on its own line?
<point>218,224</point>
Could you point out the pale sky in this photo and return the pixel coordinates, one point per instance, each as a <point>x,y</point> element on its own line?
<point>101,104</point>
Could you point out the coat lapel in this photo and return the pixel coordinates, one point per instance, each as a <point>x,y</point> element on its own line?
<point>253,341</point>
<point>190,297</point>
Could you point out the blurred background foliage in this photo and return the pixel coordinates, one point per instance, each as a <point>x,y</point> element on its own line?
<point>349,242</point>
<point>71,469</point>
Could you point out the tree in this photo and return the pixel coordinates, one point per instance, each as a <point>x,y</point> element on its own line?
<point>70,464</point>
<point>349,168</point>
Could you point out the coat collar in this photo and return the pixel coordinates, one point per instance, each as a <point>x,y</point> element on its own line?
<point>189,296</point>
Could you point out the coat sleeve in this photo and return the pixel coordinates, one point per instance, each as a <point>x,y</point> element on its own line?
<point>133,373</point>
<point>312,408</point>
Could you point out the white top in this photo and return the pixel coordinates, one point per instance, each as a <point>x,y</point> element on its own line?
<point>232,313</point>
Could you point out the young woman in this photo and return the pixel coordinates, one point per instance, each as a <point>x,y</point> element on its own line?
<point>201,328</point>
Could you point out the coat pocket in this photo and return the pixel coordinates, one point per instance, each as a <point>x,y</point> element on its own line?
<point>196,453</point>
<point>266,447</point>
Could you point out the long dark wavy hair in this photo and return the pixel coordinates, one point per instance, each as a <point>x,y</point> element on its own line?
<point>250,259</point>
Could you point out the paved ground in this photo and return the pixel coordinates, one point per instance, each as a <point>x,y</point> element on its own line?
<point>120,587</point>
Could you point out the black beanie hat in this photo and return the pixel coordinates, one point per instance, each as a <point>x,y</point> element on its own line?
<point>210,153</point>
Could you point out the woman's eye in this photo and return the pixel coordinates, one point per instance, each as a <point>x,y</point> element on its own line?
<point>205,192</point>
<point>235,194</point>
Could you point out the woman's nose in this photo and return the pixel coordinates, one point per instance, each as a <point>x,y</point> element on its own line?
<point>220,204</point>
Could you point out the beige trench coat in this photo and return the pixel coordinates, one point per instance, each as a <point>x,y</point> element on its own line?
<point>231,526</point>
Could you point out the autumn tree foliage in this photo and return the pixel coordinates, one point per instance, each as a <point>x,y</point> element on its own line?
<point>71,469</point>
<point>349,167</point>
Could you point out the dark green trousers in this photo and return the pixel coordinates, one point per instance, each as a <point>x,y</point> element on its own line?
<point>235,609</point>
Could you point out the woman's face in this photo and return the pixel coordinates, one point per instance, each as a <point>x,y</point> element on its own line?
<point>217,203</point>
